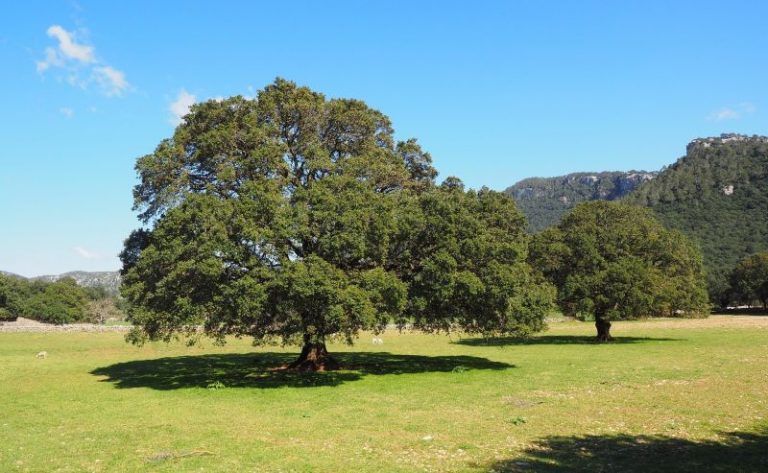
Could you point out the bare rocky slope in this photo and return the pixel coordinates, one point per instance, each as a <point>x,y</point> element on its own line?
<point>109,280</point>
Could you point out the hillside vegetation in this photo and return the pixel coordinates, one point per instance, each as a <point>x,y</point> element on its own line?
<point>107,280</point>
<point>717,194</point>
<point>59,301</point>
<point>544,200</point>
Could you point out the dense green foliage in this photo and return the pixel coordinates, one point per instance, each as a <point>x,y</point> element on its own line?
<point>294,217</point>
<point>466,264</point>
<point>749,280</point>
<point>544,200</point>
<point>717,195</point>
<point>614,261</point>
<point>57,302</point>
<point>9,298</point>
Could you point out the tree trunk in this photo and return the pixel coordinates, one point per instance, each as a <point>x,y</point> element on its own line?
<point>603,330</point>
<point>314,357</point>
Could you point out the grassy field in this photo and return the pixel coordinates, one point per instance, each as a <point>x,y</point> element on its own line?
<point>677,395</point>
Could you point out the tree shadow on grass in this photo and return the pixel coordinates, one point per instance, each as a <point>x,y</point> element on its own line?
<point>756,311</point>
<point>745,452</point>
<point>556,340</point>
<point>257,370</point>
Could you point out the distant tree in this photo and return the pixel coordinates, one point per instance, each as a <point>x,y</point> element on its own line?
<point>58,302</point>
<point>749,280</point>
<point>614,261</point>
<point>9,294</point>
<point>299,218</point>
<point>102,310</point>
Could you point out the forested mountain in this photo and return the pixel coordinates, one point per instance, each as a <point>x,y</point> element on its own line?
<point>545,199</point>
<point>108,280</point>
<point>718,195</point>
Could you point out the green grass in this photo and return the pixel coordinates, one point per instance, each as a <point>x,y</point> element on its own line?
<point>687,395</point>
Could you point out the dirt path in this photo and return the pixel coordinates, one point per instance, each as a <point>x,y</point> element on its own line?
<point>713,321</point>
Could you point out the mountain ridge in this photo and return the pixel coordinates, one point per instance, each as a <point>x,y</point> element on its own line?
<point>544,200</point>
<point>716,194</point>
<point>109,280</point>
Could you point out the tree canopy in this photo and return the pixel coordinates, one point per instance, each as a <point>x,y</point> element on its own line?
<point>58,302</point>
<point>749,280</point>
<point>295,217</point>
<point>614,261</point>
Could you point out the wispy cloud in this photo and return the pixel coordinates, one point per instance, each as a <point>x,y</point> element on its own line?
<point>184,100</point>
<point>69,47</point>
<point>51,59</point>
<point>86,253</point>
<point>748,107</point>
<point>111,81</point>
<point>79,65</point>
<point>67,112</point>
<point>180,106</point>
<point>67,52</point>
<point>732,113</point>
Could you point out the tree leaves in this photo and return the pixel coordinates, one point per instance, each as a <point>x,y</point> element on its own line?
<point>615,261</point>
<point>295,217</point>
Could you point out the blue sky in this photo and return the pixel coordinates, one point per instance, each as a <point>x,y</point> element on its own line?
<point>496,91</point>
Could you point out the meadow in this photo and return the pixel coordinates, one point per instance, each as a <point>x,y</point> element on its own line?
<point>668,395</point>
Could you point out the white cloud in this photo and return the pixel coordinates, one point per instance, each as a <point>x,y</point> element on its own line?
<point>68,47</point>
<point>111,81</point>
<point>747,107</point>
<point>51,59</point>
<point>732,113</point>
<point>86,253</point>
<point>79,64</point>
<point>724,114</point>
<point>180,106</point>
<point>67,112</point>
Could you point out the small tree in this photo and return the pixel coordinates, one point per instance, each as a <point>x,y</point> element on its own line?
<point>615,261</point>
<point>749,280</point>
<point>299,218</point>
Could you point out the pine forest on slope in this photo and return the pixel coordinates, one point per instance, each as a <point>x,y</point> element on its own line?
<point>717,194</point>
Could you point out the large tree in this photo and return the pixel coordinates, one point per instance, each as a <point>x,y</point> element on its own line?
<point>294,217</point>
<point>615,261</point>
